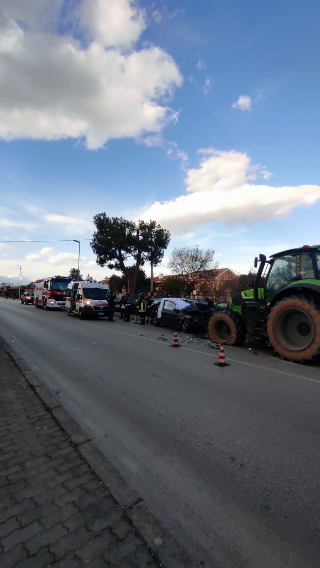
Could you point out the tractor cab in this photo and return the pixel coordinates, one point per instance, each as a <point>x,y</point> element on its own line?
<point>288,267</point>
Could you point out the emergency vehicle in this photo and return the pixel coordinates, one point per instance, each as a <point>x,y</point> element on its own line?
<point>88,299</point>
<point>50,293</point>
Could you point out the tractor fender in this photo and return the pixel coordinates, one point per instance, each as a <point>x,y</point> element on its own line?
<point>294,289</point>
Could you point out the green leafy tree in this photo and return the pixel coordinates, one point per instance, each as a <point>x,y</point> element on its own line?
<point>74,274</point>
<point>176,287</point>
<point>117,283</point>
<point>117,241</point>
<point>142,283</point>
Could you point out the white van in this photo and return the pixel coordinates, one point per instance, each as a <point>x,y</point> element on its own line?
<point>88,299</point>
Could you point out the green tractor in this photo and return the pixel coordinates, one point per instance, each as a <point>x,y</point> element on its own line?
<point>283,306</point>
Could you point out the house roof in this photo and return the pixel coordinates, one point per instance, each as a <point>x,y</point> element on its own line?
<point>217,272</point>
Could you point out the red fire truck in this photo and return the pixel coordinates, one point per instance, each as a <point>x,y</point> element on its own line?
<point>50,293</point>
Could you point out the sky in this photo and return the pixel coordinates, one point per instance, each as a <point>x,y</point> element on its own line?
<point>201,115</point>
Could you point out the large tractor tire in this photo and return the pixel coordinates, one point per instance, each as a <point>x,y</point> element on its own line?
<point>294,328</point>
<point>226,327</point>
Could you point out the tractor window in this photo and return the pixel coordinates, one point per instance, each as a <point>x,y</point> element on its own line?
<point>318,263</point>
<point>306,266</point>
<point>283,270</point>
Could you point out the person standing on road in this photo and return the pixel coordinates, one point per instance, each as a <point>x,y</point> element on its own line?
<point>122,306</point>
<point>142,306</point>
<point>127,309</point>
<point>150,300</point>
<point>111,300</point>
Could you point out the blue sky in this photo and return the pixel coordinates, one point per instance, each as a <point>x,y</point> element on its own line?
<point>203,115</point>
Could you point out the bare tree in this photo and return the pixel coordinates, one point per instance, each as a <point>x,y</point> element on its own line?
<point>190,263</point>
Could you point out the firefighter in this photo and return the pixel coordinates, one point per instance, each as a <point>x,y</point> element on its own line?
<point>142,306</point>
<point>150,300</point>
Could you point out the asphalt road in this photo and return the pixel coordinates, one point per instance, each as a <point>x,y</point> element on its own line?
<point>227,458</point>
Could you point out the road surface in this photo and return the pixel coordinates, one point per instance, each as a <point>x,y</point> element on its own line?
<point>227,458</point>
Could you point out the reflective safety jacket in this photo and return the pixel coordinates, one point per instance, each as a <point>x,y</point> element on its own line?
<point>142,306</point>
<point>150,300</point>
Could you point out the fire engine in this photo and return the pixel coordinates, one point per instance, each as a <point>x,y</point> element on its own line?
<point>87,298</point>
<point>50,293</point>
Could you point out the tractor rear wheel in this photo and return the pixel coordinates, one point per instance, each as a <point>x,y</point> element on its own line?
<point>294,328</point>
<point>226,327</point>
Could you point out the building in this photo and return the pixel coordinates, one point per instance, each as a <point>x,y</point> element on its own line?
<point>215,283</point>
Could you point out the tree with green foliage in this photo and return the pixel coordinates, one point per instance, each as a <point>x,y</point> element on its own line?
<point>176,287</point>
<point>74,274</point>
<point>142,283</point>
<point>117,283</point>
<point>118,241</point>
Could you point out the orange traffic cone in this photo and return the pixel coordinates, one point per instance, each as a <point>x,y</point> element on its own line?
<point>175,340</point>
<point>135,319</point>
<point>221,359</point>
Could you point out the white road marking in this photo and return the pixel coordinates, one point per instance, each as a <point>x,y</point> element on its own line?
<point>209,354</point>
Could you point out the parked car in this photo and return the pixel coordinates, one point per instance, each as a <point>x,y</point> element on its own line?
<point>186,315</point>
<point>27,298</point>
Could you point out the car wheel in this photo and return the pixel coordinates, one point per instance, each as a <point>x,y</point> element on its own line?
<point>156,322</point>
<point>186,326</point>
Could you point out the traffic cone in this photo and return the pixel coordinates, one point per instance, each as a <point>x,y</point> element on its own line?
<point>221,359</point>
<point>175,340</point>
<point>135,319</point>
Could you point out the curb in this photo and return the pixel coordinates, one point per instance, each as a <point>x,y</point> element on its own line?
<point>162,544</point>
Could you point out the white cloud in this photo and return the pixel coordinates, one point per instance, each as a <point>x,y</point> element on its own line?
<point>69,225</point>
<point>201,65</point>
<point>90,264</point>
<point>218,190</point>
<point>53,86</point>
<point>46,251</point>
<point>220,171</point>
<point>5,254</point>
<point>64,219</point>
<point>10,224</point>
<point>243,103</point>
<point>114,23</point>
<point>265,174</point>
<point>172,149</point>
<point>207,85</point>
<point>65,258</point>
<point>191,78</point>
<point>163,15</point>
<point>5,246</point>
<point>32,257</point>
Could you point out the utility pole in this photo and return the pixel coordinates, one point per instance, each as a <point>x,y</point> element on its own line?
<point>78,258</point>
<point>19,279</point>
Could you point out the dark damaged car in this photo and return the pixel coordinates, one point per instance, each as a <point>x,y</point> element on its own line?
<point>186,315</point>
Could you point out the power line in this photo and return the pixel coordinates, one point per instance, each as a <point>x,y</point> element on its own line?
<point>47,241</point>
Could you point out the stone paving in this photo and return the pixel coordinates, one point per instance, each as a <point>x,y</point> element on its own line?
<point>54,510</point>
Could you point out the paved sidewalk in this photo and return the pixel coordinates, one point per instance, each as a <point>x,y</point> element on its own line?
<point>54,509</point>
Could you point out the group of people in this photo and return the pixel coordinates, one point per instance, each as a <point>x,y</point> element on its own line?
<point>125,306</point>
<point>143,307</point>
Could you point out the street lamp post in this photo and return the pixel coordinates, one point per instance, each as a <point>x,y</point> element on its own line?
<point>78,258</point>
<point>20,279</point>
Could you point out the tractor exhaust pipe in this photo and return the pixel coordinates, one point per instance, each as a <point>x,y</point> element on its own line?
<point>262,259</point>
